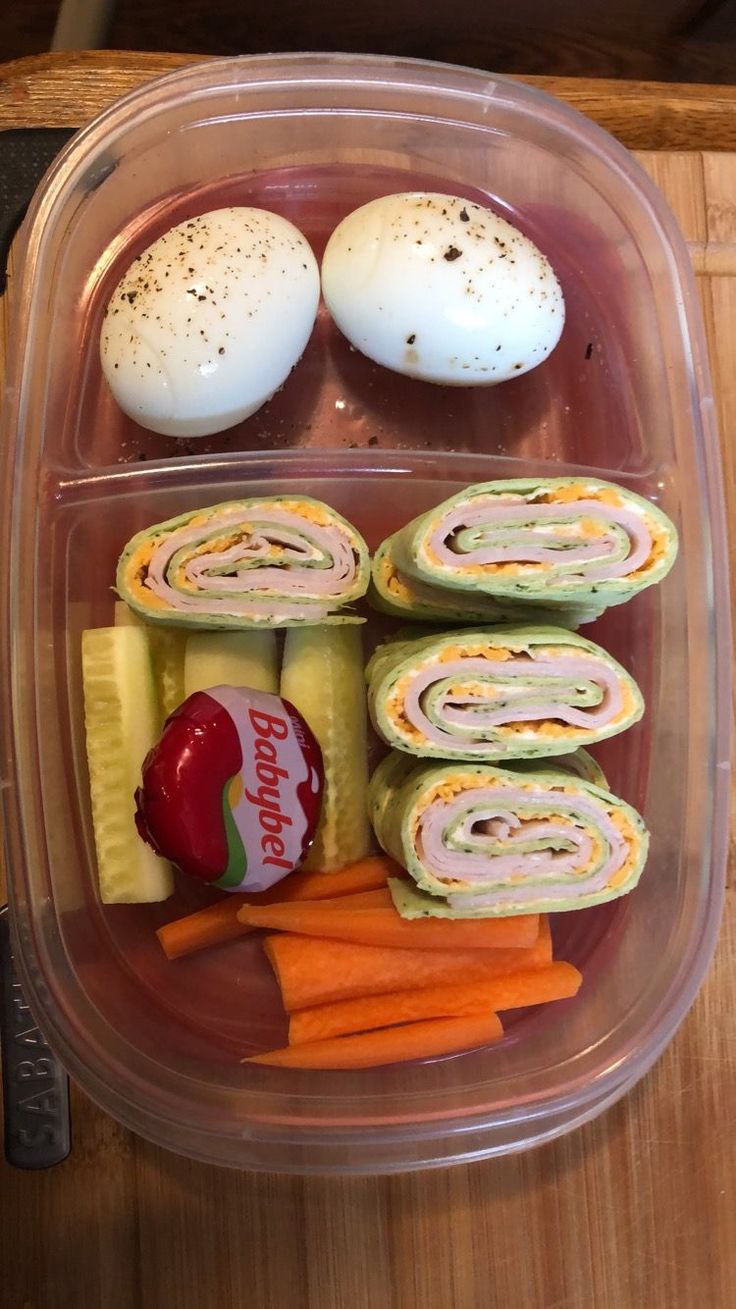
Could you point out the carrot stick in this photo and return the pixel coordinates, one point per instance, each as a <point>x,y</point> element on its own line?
<point>535,986</point>
<point>375,922</point>
<point>369,874</point>
<point>393,1045</point>
<point>378,899</point>
<point>219,922</point>
<point>312,971</point>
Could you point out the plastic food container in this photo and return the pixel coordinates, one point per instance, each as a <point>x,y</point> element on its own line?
<point>626,395</point>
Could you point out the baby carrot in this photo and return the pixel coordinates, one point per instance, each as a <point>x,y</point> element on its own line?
<point>219,921</point>
<point>534,986</point>
<point>391,1046</point>
<point>312,971</point>
<point>380,924</point>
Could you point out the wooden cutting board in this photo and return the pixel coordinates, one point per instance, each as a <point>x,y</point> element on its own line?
<point>634,1211</point>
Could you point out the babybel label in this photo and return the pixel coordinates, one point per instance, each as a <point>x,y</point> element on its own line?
<point>231,793</point>
<point>271,806</point>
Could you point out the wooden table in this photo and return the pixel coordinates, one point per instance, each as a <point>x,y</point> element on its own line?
<point>634,1211</point>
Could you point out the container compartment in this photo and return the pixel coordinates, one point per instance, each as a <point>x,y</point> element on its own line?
<point>604,396</point>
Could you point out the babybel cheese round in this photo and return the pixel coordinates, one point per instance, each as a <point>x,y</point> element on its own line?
<point>231,793</point>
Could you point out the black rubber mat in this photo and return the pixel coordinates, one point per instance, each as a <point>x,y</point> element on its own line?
<point>37,1131</point>
<point>25,154</point>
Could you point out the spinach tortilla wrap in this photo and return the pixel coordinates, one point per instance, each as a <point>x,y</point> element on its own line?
<point>269,562</point>
<point>498,693</point>
<point>580,763</point>
<point>552,540</point>
<point>482,841</point>
<point>393,591</point>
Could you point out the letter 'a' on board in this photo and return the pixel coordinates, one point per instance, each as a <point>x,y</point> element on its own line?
<point>249,779</point>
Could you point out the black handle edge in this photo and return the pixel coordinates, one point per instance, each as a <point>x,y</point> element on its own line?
<point>37,1127</point>
<point>25,154</point>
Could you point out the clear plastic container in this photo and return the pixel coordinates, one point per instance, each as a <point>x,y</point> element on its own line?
<point>626,395</point>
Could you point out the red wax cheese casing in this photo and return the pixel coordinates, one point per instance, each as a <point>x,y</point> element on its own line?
<point>231,793</point>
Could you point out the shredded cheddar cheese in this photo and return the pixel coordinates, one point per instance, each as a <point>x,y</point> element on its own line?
<point>479,651</point>
<point>657,552</point>
<point>589,527</point>
<point>314,513</point>
<point>146,596</point>
<point>508,569</point>
<point>631,836</point>
<point>480,690</point>
<point>606,495</point>
<point>137,565</point>
<point>393,583</point>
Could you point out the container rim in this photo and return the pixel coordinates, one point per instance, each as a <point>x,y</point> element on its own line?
<point>313,69</point>
<point>459,86</point>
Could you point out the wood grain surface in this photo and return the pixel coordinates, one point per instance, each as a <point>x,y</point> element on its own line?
<point>58,89</point>
<point>633,1211</point>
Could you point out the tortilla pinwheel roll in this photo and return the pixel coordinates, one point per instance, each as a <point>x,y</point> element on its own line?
<point>393,591</point>
<point>395,767</point>
<point>482,841</point>
<point>271,562</point>
<point>498,693</point>
<point>555,540</point>
<point>579,763</point>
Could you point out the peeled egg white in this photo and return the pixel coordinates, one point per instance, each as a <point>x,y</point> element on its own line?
<point>441,289</point>
<point>209,321</point>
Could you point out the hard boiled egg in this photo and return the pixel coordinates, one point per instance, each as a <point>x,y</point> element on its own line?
<point>441,289</point>
<point>209,321</point>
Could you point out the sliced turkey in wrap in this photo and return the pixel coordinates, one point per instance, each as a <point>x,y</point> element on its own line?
<point>483,841</point>
<point>498,693</point>
<point>393,591</point>
<point>270,562</point>
<point>551,540</point>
